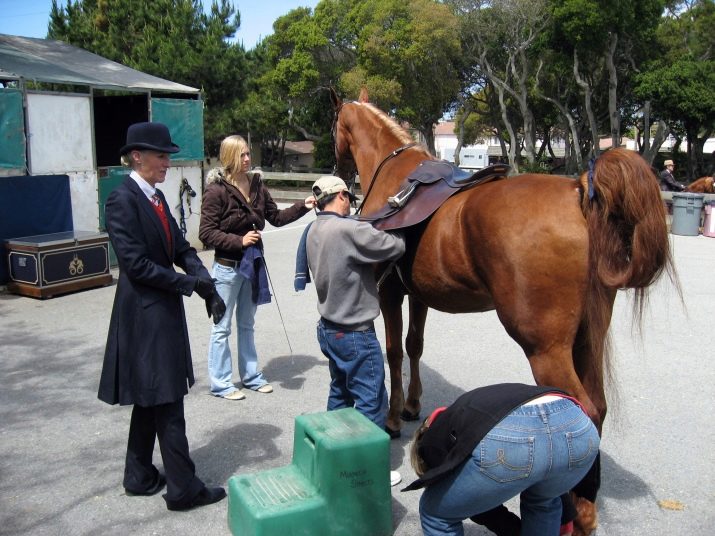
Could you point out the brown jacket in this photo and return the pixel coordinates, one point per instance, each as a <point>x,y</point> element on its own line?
<point>226,216</point>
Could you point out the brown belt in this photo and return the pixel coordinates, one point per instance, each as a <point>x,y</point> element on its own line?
<point>226,262</point>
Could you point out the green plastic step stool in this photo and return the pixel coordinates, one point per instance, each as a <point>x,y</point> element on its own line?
<point>275,502</point>
<point>339,481</point>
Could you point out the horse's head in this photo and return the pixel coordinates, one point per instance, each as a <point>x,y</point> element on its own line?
<point>366,139</point>
<point>345,166</point>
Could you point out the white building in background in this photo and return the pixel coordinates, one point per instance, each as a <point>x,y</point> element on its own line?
<point>471,156</point>
<point>479,155</point>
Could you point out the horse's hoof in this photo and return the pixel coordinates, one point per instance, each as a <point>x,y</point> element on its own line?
<point>394,434</point>
<point>409,416</point>
<point>587,519</point>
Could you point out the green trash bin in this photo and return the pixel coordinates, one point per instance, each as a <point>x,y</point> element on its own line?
<point>687,209</point>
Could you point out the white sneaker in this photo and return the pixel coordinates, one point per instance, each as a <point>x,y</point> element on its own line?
<point>395,478</point>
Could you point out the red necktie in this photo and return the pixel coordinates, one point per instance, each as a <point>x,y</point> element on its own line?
<point>159,208</point>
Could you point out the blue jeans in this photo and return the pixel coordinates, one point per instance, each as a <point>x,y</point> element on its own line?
<point>357,371</point>
<point>539,451</point>
<point>235,290</point>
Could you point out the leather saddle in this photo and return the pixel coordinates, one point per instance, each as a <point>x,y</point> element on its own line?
<point>425,189</point>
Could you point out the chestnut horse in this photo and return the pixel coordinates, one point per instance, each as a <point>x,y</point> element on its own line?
<point>704,185</point>
<point>552,280</point>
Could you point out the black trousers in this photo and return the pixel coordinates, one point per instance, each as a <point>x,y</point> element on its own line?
<point>165,422</point>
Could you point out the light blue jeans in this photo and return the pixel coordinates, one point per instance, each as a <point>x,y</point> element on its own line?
<point>235,290</point>
<point>539,451</point>
<point>357,371</point>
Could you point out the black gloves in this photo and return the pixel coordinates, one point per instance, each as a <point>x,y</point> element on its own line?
<point>205,287</point>
<point>215,307</point>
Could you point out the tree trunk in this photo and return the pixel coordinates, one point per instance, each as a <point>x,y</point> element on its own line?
<point>466,112</point>
<point>613,113</point>
<point>501,87</point>
<point>586,88</point>
<point>427,131</point>
<point>700,167</point>
<point>526,113</point>
<point>572,128</point>
<point>646,127</point>
<point>661,134</point>
<point>510,129</point>
<point>307,135</point>
<point>460,140</point>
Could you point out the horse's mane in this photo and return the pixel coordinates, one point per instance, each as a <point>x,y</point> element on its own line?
<point>402,135</point>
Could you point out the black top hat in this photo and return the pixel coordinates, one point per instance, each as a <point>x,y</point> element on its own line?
<point>152,136</point>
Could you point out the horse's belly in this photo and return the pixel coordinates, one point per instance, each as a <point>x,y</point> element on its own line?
<point>448,287</point>
<point>478,252</point>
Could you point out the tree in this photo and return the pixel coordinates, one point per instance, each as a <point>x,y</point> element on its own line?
<point>396,49</point>
<point>607,40</point>
<point>408,58</point>
<point>172,39</point>
<point>679,84</point>
<point>502,37</point>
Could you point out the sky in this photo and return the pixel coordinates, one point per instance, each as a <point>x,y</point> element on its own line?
<point>29,18</point>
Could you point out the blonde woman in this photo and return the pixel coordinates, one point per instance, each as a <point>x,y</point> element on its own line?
<point>234,211</point>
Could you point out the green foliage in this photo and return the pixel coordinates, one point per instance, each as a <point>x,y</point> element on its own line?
<point>408,57</point>
<point>682,91</point>
<point>324,152</point>
<point>680,82</point>
<point>418,59</point>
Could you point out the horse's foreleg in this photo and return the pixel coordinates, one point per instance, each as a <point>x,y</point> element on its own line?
<point>414,344</point>
<point>391,298</point>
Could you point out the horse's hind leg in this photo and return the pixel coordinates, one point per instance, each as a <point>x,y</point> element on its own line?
<point>391,298</point>
<point>414,345</point>
<point>556,369</point>
<point>591,353</point>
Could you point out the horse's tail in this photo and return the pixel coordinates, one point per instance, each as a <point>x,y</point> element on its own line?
<point>628,248</point>
<point>628,236</point>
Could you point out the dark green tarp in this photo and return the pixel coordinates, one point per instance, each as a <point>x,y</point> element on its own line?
<point>185,119</point>
<point>12,130</point>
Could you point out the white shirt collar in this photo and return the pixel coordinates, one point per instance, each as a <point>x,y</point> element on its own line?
<point>147,188</point>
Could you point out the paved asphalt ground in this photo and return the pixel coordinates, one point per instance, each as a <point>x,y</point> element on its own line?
<point>62,451</point>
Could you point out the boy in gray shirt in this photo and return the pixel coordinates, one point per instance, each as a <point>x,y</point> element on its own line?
<point>341,252</point>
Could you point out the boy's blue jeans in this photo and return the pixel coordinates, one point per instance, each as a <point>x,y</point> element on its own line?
<point>539,451</point>
<point>357,371</point>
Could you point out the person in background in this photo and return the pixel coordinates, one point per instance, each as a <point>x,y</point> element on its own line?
<point>341,252</point>
<point>234,211</point>
<point>147,360</point>
<point>494,443</point>
<point>667,180</point>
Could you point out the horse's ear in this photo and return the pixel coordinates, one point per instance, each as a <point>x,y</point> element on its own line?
<point>363,95</point>
<point>337,101</point>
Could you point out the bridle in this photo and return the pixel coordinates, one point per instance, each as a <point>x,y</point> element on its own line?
<point>350,182</point>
